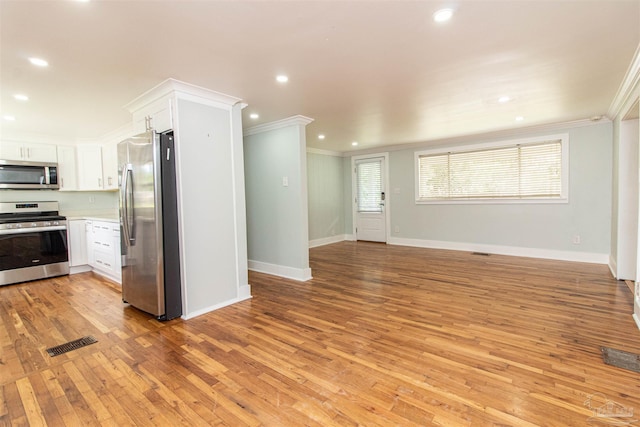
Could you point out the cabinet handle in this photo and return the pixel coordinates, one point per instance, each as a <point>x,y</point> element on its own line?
<point>28,153</point>
<point>99,182</point>
<point>110,181</point>
<point>22,152</point>
<point>61,182</point>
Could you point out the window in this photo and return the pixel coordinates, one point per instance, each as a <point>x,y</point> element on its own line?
<point>517,171</point>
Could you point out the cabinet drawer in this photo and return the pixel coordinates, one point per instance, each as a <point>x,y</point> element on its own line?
<point>105,261</point>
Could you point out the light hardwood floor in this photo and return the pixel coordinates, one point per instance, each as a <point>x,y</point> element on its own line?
<point>382,336</point>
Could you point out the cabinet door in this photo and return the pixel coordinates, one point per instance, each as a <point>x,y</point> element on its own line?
<point>77,243</point>
<point>11,150</point>
<point>91,259</point>
<point>158,115</point>
<point>40,153</point>
<point>90,167</point>
<point>110,166</point>
<point>67,170</point>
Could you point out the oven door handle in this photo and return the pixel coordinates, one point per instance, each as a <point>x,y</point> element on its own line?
<point>31,230</point>
<point>127,189</point>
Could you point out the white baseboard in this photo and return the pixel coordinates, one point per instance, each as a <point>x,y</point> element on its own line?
<point>79,269</point>
<point>328,240</point>
<point>299,274</point>
<point>594,258</point>
<point>116,279</point>
<point>613,267</point>
<point>244,292</point>
<point>635,317</point>
<point>211,308</point>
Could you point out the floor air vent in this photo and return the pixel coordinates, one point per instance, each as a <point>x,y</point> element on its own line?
<point>72,345</point>
<point>621,359</point>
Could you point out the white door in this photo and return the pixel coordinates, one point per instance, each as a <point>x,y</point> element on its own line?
<point>370,212</point>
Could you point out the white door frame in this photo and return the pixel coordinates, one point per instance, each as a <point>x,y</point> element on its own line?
<point>354,192</point>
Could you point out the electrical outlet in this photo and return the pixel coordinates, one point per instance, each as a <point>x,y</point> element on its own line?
<point>576,239</point>
<point>92,199</point>
<point>396,229</point>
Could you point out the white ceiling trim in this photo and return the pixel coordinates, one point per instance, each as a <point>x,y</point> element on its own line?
<point>171,86</point>
<point>325,152</point>
<point>278,124</point>
<point>627,87</point>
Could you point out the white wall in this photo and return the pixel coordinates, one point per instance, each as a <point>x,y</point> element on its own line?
<point>624,227</point>
<point>277,214</point>
<point>211,203</point>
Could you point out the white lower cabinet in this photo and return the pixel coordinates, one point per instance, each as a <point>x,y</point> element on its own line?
<point>103,248</point>
<point>77,238</point>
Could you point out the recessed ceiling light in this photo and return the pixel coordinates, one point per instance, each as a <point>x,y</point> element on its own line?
<point>254,116</point>
<point>519,119</point>
<point>443,15</point>
<point>504,99</point>
<point>282,78</point>
<point>354,143</point>
<point>21,97</point>
<point>9,118</point>
<point>38,62</point>
<point>321,136</point>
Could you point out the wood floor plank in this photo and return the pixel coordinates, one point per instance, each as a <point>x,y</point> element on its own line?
<point>381,336</point>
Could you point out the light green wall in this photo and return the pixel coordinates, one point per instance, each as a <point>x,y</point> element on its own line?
<point>347,196</point>
<point>277,218</point>
<point>71,203</point>
<point>541,226</point>
<point>325,192</point>
<point>615,190</point>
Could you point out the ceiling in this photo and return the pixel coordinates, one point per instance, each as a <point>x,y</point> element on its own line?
<point>375,72</point>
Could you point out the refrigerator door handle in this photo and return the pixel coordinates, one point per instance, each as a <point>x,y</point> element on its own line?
<point>127,194</point>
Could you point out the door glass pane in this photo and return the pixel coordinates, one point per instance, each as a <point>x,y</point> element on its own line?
<point>369,177</point>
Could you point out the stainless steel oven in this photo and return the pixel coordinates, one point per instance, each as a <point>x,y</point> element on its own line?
<point>33,242</point>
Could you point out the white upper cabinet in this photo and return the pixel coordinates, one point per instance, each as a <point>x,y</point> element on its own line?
<point>27,152</point>
<point>157,115</point>
<point>90,167</point>
<point>110,166</point>
<point>67,168</point>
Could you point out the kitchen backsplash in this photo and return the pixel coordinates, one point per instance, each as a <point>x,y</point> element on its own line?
<point>71,204</point>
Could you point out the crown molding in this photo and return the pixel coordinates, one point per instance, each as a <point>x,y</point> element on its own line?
<point>627,88</point>
<point>324,152</point>
<point>171,86</point>
<point>278,124</point>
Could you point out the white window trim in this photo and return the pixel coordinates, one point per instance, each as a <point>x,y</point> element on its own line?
<point>564,196</point>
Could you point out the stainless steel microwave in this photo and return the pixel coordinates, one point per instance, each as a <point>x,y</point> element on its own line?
<point>17,175</point>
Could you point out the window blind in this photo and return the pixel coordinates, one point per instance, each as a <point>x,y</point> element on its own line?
<point>513,172</point>
<point>369,181</point>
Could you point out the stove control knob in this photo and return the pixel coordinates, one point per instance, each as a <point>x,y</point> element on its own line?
<point>8,226</point>
<point>34,224</point>
<point>18,225</point>
<point>46,224</point>
<point>56,223</point>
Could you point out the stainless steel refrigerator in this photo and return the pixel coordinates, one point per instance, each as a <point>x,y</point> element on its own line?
<point>149,224</point>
